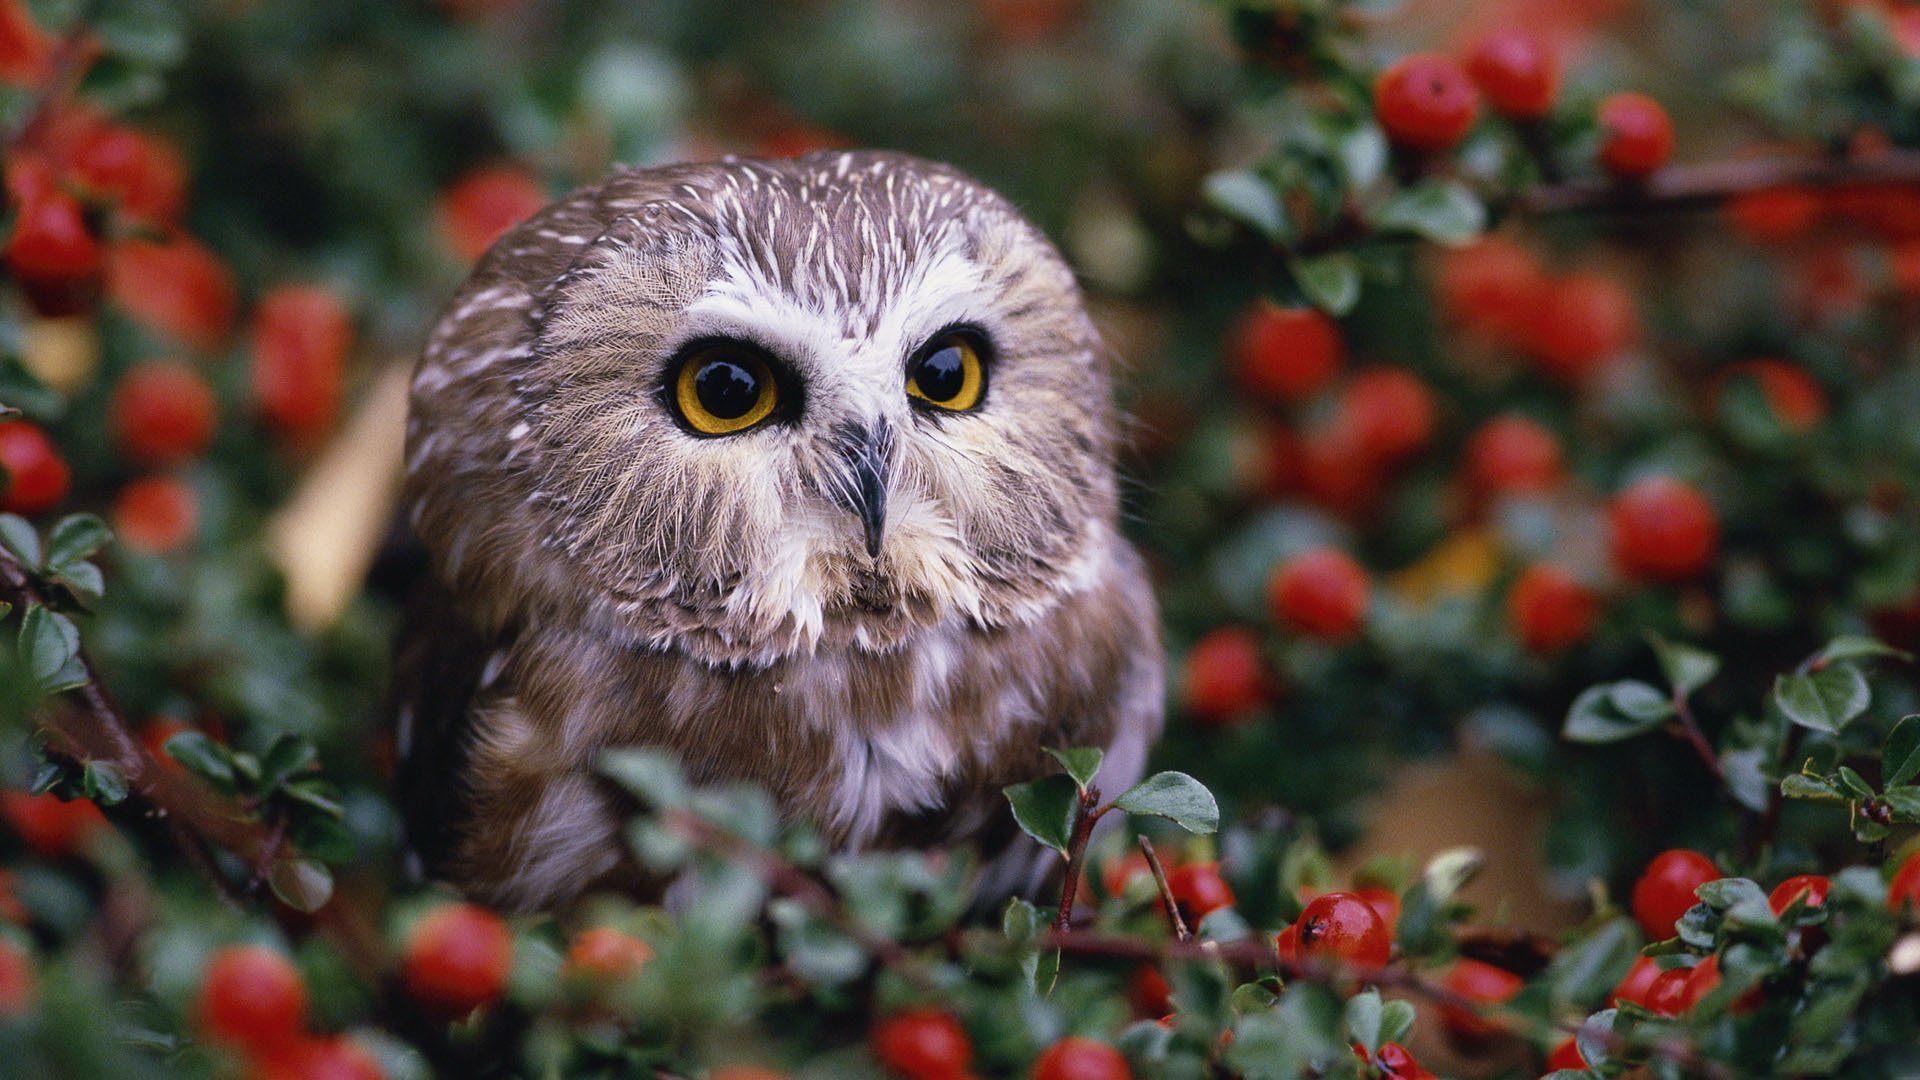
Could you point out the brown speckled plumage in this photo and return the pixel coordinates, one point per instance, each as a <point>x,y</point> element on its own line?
<point>604,578</point>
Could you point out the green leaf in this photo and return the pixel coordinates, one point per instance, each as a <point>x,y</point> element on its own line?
<point>1856,783</point>
<point>288,755</point>
<point>1594,719</point>
<point>1081,764</point>
<point>1581,974</point>
<point>301,883</point>
<point>1364,1014</point>
<point>1363,155</point>
<point>1855,647</point>
<point>84,581</point>
<point>5,609</point>
<point>1687,668</point>
<point>1900,759</point>
<point>1641,702</point>
<point>1442,211</point>
<point>50,647</point>
<point>1396,1021</point>
<point>1044,809</point>
<point>1747,780</point>
<point>103,782</point>
<point>1248,198</point>
<point>1904,802</point>
<point>17,536</point>
<point>1595,1039</point>
<point>1802,786</point>
<point>652,776</point>
<point>75,539</point>
<point>201,754</point>
<point>1331,282</point>
<point>1175,796</point>
<point>1449,871</point>
<point>1826,700</point>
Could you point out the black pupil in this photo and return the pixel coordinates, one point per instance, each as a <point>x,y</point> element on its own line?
<point>727,390</point>
<point>942,374</point>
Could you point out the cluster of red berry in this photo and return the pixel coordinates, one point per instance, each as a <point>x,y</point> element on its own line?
<point>929,1044</point>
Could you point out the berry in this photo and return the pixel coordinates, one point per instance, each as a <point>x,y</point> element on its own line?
<point>1384,904</point>
<point>1425,102</point>
<point>482,205</point>
<point>338,1058</point>
<point>26,51</point>
<point>1550,610</point>
<point>1285,354</point>
<point>156,514</point>
<point>1662,530</point>
<point>1199,889</point>
<point>253,998</point>
<point>1398,1064</point>
<point>1344,927</point>
<point>1117,874</point>
<point>1668,994</point>
<point>302,335</point>
<point>1567,1056</point>
<point>1225,677</point>
<point>1637,984</point>
<point>1903,892</point>
<point>1513,455</point>
<point>1792,395</point>
<point>1483,984</point>
<point>1334,472</point>
<point>163,413</point>
<point>457,959</point>
<point>178,287</point>
<point>603,954</point>
<point>54,256</point>
<point>1638,135</point>
<point>19,988</point>
<point>1665,889</point>
<point>1810,890</point>
<point>52,828</point>
<point>1390,411</point>
<point>33,475</point>
<point>1775,214</point>
<point>1076,1058</point>
<point>924,1044</point>
<point>1148,992</point>
<point>1581,322</point>
<point>1321,593</point>
<point>1023,22</point>
<point>1518,74</point>
<point>144,177</point>
<point>1492,285</point>
<point>1287,943</point>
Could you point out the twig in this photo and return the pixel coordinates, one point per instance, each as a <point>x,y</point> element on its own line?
<point>1682,187</point>
<point>1084,817</point>
<point>1180,930</point>
<point>1690,731</point>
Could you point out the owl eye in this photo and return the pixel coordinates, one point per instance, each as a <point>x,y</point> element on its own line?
<point>949,373</point>
<point>724,389</point>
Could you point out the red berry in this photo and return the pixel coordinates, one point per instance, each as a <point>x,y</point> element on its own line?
<point>603,954</point>
<point>1549,609</point>
<point>54,256</point>
<point>1225,677</point>
<point>1567,1056</point>
<point>1492,285</point>
<point>19,985</point>
<point>1344,927</point>
<point>1581,322</point>
<point>1793,396</point>
<point>178,287</point>
<point>1513,455</point>
<point>1425,102</point>
<point>252,998</point>
<point>1390,411</point>
<point>145,177</point>
<point>1398,1064</point>
<point>925,1044</point>
<point>163,413</point>
<point>797,140</point>
<point>482,205</point>
<point>1483,984</point>
<point>11,909</point>
<point>1076,1058</point>
<point>1775,214</point>
<point>1335,472</point>
<point>1637,984</point>
<point>1903,892</point>
<point>1148,992</point>
<point>1662,530</point>
<point>1638,135</point>
<point>26,51</point>
<point>1023,22</point>
<point>337,1058</point>
<point>302,335</point>
<point>33,475</point>
<point>1809,889</point>
<point>1665,889</point>
<point>1384,904</point>
<point>1519,75</point>
<point>156,514</point>
<point>1199,889</point>
<point>1668,994</point>
<point>457,959</point>
<point>1321,593</point>
<point>52,828</point>
<point>1285,354</point>
<point>1287,943</point>
<point>1117,874</point>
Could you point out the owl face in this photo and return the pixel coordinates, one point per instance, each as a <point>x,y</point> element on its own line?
<point>769,405</point>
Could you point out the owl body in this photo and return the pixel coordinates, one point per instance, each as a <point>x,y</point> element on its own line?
<point>801,470</point>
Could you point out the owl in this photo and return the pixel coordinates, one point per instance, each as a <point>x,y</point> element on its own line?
<point>799,470</point>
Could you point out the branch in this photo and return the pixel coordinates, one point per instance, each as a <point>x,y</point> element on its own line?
<point>1180,930</point>
<point>1084,817</point>
<point>1688,187</point>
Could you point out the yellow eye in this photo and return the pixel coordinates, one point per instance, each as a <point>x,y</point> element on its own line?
<point>724,389</point>
<point>949,375</point>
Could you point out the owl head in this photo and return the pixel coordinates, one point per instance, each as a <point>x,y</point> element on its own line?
<point>750,408</point>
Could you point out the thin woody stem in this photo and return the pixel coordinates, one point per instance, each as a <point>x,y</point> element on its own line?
<point>1084,817</point>
<point>1180,930</point>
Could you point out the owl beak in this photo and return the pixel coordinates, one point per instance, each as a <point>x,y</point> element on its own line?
<point>867,451</point>
<point>873,507</point>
